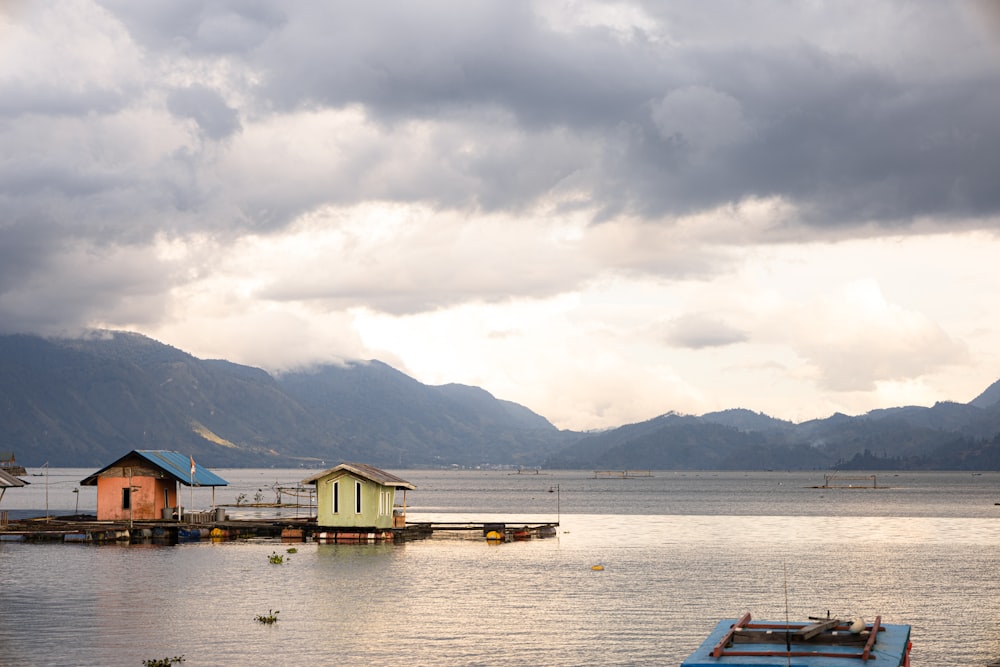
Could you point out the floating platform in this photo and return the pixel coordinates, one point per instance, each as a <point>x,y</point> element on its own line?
<point>846,482</point>
<point>814,643</point>
<point>621,474</point>
<point>87,530</point>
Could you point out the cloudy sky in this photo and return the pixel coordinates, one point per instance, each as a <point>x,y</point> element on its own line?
<point>601,210</point>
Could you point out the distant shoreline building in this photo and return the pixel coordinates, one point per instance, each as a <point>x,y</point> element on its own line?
<point>9,465</point>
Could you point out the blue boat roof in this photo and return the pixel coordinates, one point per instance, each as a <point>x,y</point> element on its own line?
<point>888,650</point>
<point>175,464</point>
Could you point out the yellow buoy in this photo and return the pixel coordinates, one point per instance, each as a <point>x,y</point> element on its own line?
<point>494,536</point>
<point>597,568</point>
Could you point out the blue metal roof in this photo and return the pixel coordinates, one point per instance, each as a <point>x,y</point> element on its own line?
<point>175,464</point>
<point>889,650</point>
<point>179,465</point>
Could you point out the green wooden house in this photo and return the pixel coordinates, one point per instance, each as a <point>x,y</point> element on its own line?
<point>356,495</point>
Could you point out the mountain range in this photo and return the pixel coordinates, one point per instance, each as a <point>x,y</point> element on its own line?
<point>84,402</point>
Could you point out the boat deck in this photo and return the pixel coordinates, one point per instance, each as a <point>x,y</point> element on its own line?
<point>815,643</point>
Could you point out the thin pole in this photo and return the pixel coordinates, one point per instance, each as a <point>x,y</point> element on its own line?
<point>130,499</point>
<point>788,639</point>
<point>46,490</point>
<point>555,488</point>
<point>558,510</point>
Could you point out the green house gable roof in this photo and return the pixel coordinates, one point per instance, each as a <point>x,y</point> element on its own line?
<point>365,471</point>
<point>174,464</point>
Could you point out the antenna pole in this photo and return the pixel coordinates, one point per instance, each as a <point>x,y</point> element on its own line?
<point>788,638</point>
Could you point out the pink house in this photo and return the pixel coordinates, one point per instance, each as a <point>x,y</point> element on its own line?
<point>143,484</point>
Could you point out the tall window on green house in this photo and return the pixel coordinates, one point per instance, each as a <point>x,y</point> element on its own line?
<point>357,497</point>
<point>336,497</point>
<point>126,498</point>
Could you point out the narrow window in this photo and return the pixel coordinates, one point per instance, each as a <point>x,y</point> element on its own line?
<point>336,497</point>
<point>357,497</point>
<point>126,498</point>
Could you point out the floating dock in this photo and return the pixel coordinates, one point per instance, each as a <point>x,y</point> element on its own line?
<point>87,530</point>
<point>621,474</point>
<point>847,482</point>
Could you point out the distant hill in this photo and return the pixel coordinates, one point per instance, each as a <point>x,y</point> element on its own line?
<point>947,436</point>
<point>85,402</point>
<point>390,417</point>
<point>988,398</point>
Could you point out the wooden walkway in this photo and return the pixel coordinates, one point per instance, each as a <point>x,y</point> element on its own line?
<point>848,482</point>
<point>621,474</point>
<point>81,528</point>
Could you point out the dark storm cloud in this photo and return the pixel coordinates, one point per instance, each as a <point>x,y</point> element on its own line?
<point>207,108</point>
<point>23,246</point>
<point>847,140</point>
<point>843,137</point>
<point>195,27</point>
<point>42,97</point>
<point>488,106</point>
<point>51,281</point>
<point>442,59</point>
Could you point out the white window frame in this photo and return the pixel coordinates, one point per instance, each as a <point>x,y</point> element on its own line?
<point>384,503</point>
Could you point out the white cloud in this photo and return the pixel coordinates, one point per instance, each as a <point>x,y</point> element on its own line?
<point>856,339</point>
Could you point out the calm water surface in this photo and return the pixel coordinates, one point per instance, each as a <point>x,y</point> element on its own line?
<point>680,551</point>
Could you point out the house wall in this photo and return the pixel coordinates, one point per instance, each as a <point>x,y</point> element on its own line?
<point>376,502</point>
<point>147,498</point>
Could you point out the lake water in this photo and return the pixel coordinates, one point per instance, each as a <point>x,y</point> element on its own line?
<point>680,551</point>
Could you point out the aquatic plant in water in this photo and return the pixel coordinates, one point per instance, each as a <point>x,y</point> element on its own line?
<point>270,619</point>
<point>163,662</point>
<point>276,558</point>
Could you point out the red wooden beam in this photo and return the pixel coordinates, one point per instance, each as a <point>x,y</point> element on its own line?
<point>871,638</point>
<point>792,654</point>
<point>720,647</point>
